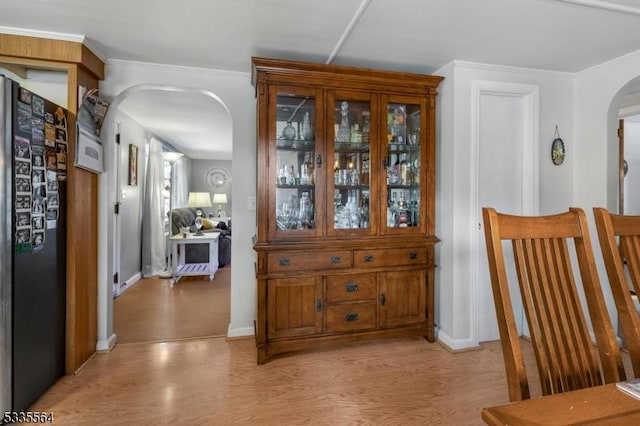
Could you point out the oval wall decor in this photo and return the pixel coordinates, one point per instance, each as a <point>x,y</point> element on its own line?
<point>557,149</point>
<point>217,179</point>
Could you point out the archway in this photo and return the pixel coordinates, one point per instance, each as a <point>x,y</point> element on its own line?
<point>624,104</point>
<point>111,195</point>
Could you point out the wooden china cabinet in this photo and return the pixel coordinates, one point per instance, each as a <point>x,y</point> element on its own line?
<point>346,193</point>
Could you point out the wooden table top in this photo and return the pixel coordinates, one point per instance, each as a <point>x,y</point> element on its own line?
<point>598,405</point>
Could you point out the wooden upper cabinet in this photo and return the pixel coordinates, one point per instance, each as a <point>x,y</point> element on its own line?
<point>344,152</point>
<point>407,151</point>
<point>295,147</point>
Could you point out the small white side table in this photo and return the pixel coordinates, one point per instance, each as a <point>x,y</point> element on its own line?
<point>180,268</point>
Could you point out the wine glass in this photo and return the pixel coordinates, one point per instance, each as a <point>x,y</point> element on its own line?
<point>286,214</point>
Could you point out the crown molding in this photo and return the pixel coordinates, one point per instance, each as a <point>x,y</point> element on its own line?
<point>78,38</point>
<point>52,35</point>
<point>175,68</point>
<point>508,68</point>
<point>605,5</point>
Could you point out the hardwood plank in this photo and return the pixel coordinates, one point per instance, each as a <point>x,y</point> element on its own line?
<point>154,310</point>
<point>216,381</point>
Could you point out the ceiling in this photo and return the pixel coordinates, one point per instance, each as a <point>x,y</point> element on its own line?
<point>407,35</point>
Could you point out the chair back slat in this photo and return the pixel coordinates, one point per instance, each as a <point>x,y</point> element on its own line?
<point>566,357</point>
<point>627,229</point>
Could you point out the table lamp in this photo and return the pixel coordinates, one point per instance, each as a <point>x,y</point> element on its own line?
<point>198,200</point>
<point>220,199</point>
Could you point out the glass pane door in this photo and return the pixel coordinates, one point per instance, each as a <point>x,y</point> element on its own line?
<point>294,173</point>
<point>351,133</point>
<point>403,160</point>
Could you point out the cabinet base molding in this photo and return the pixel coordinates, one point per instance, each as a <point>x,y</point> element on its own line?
<point>268,351</point>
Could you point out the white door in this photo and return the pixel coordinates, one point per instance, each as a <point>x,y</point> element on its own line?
<point>501,136</point>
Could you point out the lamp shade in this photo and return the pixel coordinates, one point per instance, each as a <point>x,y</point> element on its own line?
<point>220,198</point>
<point>199,199</point>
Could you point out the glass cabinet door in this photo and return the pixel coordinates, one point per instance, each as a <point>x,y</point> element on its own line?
<point>293,160</point>
<point>351,132</point>
<point>404,152</point>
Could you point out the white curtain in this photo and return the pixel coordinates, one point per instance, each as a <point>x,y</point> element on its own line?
<point>180,183</point>
<point>153,240</point>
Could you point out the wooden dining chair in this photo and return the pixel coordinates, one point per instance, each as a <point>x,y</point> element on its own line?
<point>565,354</point>
<point>616,255</point>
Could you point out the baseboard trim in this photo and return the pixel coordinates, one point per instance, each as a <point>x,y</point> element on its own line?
<point>456,345</point>
<point>106,345</point>
<point>128,283</point>
<point>239,332</point>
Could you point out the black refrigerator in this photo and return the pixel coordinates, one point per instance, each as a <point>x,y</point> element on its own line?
<point>33,166</point>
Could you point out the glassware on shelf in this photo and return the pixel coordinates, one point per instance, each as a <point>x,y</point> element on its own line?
<point>289,132</point>
<point>405,170</point>
<point>364,175</point>
<point>396,124</point>
<point>414,137</point>
<point>356,134</point>
<point>366,126</point>
<point>393,177</point>
<point>306,132</point>
<point>306,170</point>
<point>305,214</point>
<point>344,130</point>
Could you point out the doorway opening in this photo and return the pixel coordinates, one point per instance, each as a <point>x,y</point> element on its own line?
<point>153,307</point>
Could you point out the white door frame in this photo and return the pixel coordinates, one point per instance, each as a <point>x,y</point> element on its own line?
<point>530,166</point>
<point>117,229</point>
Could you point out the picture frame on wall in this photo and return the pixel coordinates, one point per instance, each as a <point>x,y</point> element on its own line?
<point>133,165</point>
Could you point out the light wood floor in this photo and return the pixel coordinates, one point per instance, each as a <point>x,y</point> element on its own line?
<point>216,381</point>
<point>155,310</point>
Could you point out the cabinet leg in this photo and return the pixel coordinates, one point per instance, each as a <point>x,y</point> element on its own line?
<point>262,356</point>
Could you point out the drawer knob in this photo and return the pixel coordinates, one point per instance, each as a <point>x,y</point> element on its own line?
<point>351,316</point>
<point>351,287</point>
<point>383,299</point>
<point>413,255</point>
<point>335,259</point>
<point>284,262</point>
<point>368,258</point>
<point>318,305</point>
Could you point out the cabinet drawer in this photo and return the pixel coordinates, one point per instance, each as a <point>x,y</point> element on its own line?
<point>349,288</point>
<point>390,257</point>
<point>300,261</point>
<point>351,316</point>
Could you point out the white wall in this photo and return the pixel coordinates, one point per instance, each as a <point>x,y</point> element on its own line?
<point>596,89</point>
<point>632,155</point>
<point>50,84</point>
<point>579,105</point>
<point>235,91</point>
<point>456,219</point>
<point>197,182</point>
<point>598,96</point>
<point>131,132</point>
